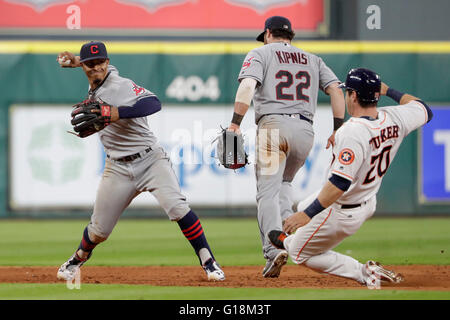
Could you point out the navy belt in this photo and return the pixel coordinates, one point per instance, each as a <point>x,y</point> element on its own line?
<point>133,156</point>
<point>351,206</point>
<point>294,115</point>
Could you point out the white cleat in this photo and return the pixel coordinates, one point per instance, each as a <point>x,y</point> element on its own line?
<point>375,271</point>
<point>69,269</point>
<point>213,271</point>
<point>273,267</point>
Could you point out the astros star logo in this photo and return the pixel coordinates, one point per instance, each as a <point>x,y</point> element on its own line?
<point>346,156</point>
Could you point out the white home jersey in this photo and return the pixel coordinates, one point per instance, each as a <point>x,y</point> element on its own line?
<point>366,147</point>
<point>289,79</point>
<point>125,136</point>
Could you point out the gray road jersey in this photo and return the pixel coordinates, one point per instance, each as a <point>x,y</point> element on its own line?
<point>126,136</point>
<point>289,79</point>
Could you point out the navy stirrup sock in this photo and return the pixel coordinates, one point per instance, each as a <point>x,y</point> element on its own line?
<point>192,229</point>
<point>86,244</point>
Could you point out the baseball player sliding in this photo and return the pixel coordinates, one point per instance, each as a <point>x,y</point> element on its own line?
<point>283,82</point>
<point>135,161</point>
<point>364,148</point>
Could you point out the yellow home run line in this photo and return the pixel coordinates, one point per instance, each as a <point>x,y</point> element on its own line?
<point>234,47</point>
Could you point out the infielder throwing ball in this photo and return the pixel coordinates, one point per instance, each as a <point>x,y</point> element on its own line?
<point>283,82</point>
<point>365,147</point>
<point>135,161</point>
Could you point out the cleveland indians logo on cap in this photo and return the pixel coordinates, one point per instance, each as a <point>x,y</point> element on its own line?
<point>94,49</point>
<point>346,156</point>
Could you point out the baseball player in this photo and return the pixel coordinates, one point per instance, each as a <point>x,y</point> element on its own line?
<point>283,82</point>
<point>135,162</point>
<point>364,148</point>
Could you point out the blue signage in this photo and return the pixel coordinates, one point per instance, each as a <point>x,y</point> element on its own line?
<point>435,153</point>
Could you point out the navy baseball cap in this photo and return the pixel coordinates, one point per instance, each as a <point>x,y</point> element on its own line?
<point>93,50</point>
<point>274,23</point>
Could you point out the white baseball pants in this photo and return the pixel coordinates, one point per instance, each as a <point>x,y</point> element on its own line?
<point>312,244</point>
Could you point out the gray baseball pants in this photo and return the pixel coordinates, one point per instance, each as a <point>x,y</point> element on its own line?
<point>283,143</point>
<point>123,181</point>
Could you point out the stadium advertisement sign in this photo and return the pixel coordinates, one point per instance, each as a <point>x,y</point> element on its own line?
<point>434,166</point>
<point>60,170</point>
<point>227,15</point>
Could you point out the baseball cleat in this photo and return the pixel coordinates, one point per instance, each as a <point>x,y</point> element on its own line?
<point>273,267</point>
<point>69,269</point>
<point>277,237</point>
<point>213,271</point>
<point>373,268</point>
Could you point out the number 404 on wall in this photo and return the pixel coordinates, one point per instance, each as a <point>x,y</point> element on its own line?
<point>193,88</point>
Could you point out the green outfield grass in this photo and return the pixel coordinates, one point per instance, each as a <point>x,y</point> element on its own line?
<point>234,241</point>
<point>142,292</point>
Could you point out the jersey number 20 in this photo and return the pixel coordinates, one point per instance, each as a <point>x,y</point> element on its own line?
<point>385,155</point>
<point>288,80</point>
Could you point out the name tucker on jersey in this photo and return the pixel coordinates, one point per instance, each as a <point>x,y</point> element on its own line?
<point>385,134</point>
<point>291,57</point>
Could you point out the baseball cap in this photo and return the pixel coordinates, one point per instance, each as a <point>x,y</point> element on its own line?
<point>93,50</point>
<point>273,23</point>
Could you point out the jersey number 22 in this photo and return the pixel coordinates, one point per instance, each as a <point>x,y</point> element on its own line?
<point>288,80</point>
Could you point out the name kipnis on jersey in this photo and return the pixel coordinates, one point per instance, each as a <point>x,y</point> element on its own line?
<point>291,57</point>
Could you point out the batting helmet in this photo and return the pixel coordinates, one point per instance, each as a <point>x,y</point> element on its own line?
<point>365,82</point>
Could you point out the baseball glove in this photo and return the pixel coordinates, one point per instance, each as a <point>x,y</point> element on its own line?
<point>89,117</point>
<point>230,150</point>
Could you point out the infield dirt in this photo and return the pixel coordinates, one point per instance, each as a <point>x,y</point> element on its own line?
<point>417,277</point>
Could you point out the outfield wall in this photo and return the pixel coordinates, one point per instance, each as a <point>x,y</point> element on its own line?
<point>202,76</point>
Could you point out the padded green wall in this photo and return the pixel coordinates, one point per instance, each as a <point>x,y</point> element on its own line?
<point>37,78</point>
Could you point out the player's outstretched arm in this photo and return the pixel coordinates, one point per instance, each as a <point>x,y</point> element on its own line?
<point>337,100</point>
<point>337,106</point>
<point>67,59</point>
<point>329,194</point>
<point>240,109</point>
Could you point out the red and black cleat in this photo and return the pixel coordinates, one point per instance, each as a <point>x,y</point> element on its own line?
<point>277,237</point>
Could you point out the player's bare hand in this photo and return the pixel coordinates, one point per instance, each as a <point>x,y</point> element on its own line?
<point>235,128</point>
<point>67,59</point>
<point>331,140</point>
<point>295,221</point>
<point>384,88</point>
